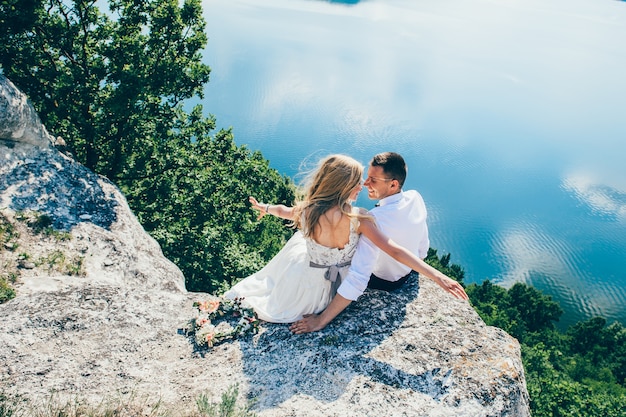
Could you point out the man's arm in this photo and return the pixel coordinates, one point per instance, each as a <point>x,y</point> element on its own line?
<point>351,288</point>
<point>315,322</point>
<point>401,254</point>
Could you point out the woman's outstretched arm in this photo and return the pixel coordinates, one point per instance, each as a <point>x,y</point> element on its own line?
<point>278,210</point>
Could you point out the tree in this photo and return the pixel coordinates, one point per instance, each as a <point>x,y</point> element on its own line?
<point>198,210</point>
<point>109,83</point>
<point>538,310</point>
<point>600,350</point>
<point>442,263</point>
<point>587,334</point>
<point>114,84</point>
<point>520,310</point>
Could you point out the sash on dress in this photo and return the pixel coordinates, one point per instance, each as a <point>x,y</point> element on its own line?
<point>334,273</point>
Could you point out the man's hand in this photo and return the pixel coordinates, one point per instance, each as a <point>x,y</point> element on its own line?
<point>315,322</point>
<point>309,323</point>
<point>452,287</point>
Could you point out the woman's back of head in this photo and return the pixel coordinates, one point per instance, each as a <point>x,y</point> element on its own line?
<point>334,179</point>
<point>329,185</point>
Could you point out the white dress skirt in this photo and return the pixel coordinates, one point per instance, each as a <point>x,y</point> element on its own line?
<point>297,281</point>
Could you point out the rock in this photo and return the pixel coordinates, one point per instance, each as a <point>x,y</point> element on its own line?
<point>116,329</point>
<point>18,120</point>
<point>59,142</point>
<point>26,264</point>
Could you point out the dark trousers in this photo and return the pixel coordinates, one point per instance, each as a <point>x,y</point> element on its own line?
<point>382,284</point>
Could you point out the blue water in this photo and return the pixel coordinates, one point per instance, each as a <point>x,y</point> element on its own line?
<point>510,114</point>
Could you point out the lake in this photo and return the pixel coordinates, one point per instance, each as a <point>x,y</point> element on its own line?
<point>510,115</point>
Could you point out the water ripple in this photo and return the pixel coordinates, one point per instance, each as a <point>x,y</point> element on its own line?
<point>539,259</point>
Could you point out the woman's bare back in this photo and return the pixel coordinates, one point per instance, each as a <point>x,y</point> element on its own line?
<point>333,229</point>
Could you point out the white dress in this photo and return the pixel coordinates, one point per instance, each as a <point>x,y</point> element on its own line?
<point>298,280</point>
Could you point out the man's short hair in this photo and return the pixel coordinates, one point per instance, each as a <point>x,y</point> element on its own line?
<point>393,165</point>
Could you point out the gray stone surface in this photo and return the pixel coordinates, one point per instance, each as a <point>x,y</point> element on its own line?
<point>115,331</point>
<point>18,119</point>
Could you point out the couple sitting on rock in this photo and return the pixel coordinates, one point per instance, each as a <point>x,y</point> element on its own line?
<point>339,250</point>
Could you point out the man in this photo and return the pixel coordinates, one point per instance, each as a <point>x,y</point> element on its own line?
<point>401,216</point>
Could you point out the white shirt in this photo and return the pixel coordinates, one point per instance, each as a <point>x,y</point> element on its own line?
<point>401,217</point>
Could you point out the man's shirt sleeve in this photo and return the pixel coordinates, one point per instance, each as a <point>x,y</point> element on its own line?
<point>363,263</point>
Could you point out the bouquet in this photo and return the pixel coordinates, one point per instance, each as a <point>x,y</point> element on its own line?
<point>221,319</point>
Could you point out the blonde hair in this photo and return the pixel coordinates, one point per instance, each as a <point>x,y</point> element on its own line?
<point>328,186</point>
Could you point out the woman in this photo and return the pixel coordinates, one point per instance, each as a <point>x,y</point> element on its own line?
<point>303,277</point>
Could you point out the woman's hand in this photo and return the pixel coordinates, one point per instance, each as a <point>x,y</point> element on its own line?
<point>277,210</point>
<point>258,206</point>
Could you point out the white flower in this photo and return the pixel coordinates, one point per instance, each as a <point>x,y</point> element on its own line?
<point>215,319</point>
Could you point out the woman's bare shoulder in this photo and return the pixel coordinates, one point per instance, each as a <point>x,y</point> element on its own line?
<point>333,216</point>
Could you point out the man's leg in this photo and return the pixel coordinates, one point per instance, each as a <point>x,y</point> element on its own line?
<point>376,283</point>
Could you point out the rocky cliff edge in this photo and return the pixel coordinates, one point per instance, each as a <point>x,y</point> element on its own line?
<point>105,322</point>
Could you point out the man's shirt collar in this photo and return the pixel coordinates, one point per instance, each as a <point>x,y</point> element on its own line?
<point>394,198</point>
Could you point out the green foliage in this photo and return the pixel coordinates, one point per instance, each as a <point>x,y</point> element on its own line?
<point>443,264</point>
<point>539,311</point>
<point>123,406</point>
<point>8,241</point>
<point>109,82</point>
<point>6,291</point>
<point>554,392</point>
<point>580,372</point>
<point>226,408</point>
<point>42,224</point>
<point>8,406</point>
<point>198,209</point>
<point>576,373</point>
<point>520,310</point>
<point>598,351</point>
<point>59,262</point>
<point>8,234</point>
<point>114,83</point>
